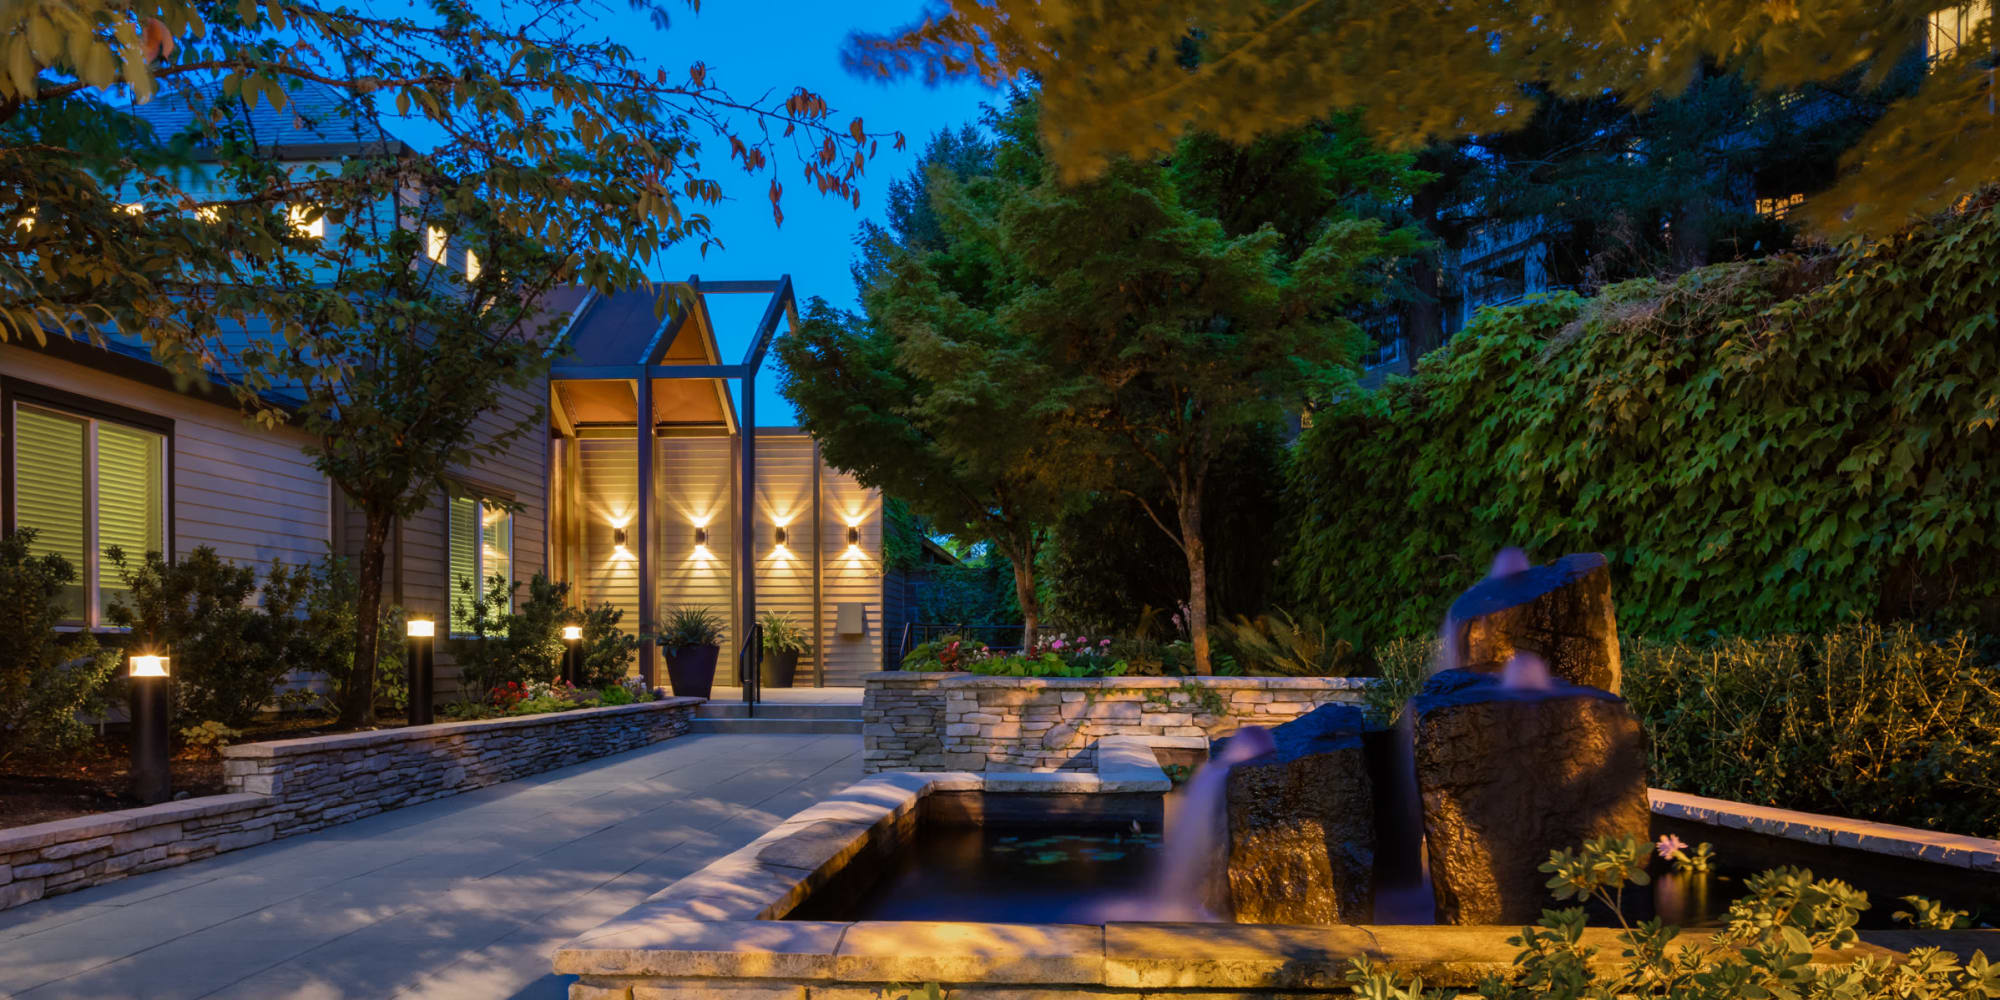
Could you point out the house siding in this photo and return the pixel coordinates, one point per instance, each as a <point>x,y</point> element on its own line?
<point>250,493</point>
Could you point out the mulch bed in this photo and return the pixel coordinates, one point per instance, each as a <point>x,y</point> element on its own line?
<point>96,777</point>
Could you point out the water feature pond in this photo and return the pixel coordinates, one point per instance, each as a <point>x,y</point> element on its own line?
<point>1075,872</point>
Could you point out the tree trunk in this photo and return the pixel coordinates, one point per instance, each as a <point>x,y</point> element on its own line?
<point>1021,553</point>
<point>1423,316</point>
<point>1197,563</point>
<point>357,707</point>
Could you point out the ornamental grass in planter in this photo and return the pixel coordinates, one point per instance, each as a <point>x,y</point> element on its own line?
<point>692,638</point>
<point>784,641</point>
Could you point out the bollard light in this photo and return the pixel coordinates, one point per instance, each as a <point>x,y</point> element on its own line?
<point>572,666</point>
<point>420,632</point>
<point>152,780</point>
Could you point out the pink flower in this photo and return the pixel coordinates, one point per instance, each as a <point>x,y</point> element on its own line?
<point>1058,644</point>
<point>1103,642</point>
<point>1669,846</point>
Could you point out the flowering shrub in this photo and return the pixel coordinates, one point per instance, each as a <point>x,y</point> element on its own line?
<point>1764,951</point>
<point>508,695</point>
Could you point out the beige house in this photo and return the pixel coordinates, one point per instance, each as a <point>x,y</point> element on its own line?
<point>99,447</point>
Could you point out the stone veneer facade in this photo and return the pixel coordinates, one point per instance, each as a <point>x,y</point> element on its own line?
<point>285,787</point>
<point>912,721</point>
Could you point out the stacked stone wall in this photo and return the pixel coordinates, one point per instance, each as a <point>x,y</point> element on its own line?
<point>967,722</point>
<point>292,786</point>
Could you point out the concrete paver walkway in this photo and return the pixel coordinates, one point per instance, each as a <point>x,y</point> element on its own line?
<point>460,898</point>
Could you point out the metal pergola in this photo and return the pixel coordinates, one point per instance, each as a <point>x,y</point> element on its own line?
<point>641,373</point>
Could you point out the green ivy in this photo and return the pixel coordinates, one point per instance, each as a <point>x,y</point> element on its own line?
<point>1776,444</point>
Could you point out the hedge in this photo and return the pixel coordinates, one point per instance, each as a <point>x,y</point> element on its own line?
<point>1783,444</point>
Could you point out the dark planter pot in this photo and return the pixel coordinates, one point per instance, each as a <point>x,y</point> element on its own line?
<point>778,669</point>
<point>691,670</point>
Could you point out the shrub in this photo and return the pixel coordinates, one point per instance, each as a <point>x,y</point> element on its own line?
<point>1401,666</point>
<point>782,634</point>
<point>1864,721</point>
<point>1760,446</point>
<point>691,625</point>
<point>500,647</point>
<point>1281,644</point>
<point>606,650</point>
<point>326,643</point>
<point>46,677</point>
<point>1765,950</point>
<point>229,651</point>
<point>946,652</point>
<point>615,694</point>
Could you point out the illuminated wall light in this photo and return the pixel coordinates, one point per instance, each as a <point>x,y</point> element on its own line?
<point>618,549</point>
<point>779,537</point>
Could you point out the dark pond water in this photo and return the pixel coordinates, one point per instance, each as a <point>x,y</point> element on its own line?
<point>1012,874</point>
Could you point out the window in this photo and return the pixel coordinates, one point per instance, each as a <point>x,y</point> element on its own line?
<point>434,244</point>
<point>482,547</point>
<point>1778,207</point>
<point>471,267</point>
<point>1954,26</point>
<point>85,486</point>
<point>297,215</point>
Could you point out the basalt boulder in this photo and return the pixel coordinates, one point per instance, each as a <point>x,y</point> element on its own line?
<point>1301,822</point>
<point>1507,776</point>
<point>1562,611</point>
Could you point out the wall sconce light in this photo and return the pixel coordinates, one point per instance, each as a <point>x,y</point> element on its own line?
<point>779,536</point>
<point>618,537</point>
<point>853,535</point>
<point>700,536</point>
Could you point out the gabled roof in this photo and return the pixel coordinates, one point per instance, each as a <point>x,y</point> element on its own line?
<point>317,122</point>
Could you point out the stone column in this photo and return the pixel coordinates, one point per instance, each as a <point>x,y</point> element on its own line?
<point>1562,611</point>
<point>1301,825</point>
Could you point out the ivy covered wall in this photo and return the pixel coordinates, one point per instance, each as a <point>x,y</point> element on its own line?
<point>1786,443</point>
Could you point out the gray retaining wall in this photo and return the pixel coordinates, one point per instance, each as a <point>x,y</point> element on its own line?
<point>913,721</point>
<point>285,787</point>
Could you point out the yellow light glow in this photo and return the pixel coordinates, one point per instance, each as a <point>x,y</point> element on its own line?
<point>209,214</point>
<point>701,552</point>
<point>135,208</point>
<point>434,244</point>
<point>471,266</point>
<point>571,633</point>
<point>148,665</point>
<point>420,628</point>
<point>621,552</point>
<point>296,215</point>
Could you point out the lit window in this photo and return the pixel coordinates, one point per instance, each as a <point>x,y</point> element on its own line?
<point>482,547</point>
<point>135,208</point>
<point>209,214</point>
<point>1780,206</point>
<point>86,486</point>
<point>1954,26</point>
<point>302,225</point>
<point>471,266</point>
<point>434,244</point>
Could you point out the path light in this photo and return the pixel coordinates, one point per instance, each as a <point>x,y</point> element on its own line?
<point>152,782</point>
<point>572,671</point>
<point>421,633</point>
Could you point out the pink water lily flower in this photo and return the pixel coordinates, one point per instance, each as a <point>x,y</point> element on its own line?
<point>1669,846</point>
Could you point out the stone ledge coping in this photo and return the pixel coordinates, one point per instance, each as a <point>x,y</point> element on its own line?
<point>966,680</point>
<point>39,835</point>
<point>404,734</point>
<point>1949,849</point>
<point>1117,955</point>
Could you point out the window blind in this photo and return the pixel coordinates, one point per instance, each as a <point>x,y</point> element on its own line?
<point>49,492</point>
<point>463,543</point>
<point>129,495</point>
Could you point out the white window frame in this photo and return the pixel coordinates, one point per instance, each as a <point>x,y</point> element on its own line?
<point>93,556</point>
<point>482,499</point>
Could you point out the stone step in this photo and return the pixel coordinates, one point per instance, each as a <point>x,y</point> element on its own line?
<point>775,710</point>
<point>765,725</point>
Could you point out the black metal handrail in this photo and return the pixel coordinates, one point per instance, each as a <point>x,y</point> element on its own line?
<point>747,662</point>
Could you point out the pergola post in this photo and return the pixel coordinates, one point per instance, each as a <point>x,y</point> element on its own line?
<point>643,536</point>
<point>746,525</point>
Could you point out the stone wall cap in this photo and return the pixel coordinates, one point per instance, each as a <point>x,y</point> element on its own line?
<point>62,831</point>
<point>402,734</point>
<point>1170,683</point>
<point>1950,849</point>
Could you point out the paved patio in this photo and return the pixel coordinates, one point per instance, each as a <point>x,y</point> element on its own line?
<point>460,898</point>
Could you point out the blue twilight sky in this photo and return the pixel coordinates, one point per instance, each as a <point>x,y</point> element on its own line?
<point>775,45</point>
